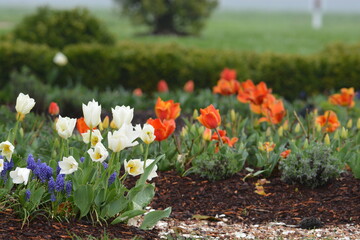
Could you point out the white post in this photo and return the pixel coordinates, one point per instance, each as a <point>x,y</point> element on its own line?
<point>316,14</point>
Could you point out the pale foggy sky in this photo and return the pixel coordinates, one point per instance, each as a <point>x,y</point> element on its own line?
<point>263,5</point>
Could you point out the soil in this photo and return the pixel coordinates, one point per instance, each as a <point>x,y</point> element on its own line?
<point>334,204</point>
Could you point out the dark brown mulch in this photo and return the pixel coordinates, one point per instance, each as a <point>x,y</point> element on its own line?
<point>41,228</point>
<point>336,203</point>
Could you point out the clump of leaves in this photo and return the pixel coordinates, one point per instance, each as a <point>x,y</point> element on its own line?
<point>221,165</point>
<point>313,165</point>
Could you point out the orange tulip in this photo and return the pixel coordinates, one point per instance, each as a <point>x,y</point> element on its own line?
<point>210,117</point>
<point>81,125</point>
<point>53,109</point>
<point>167,109</point>
<point>225,139</point>
<point>285,153</point>
<point>137,92</point>
<point>228,74</point>
<point>273,110</point>
<point>162,86</point>
<point>329,120</point>
<point>226,87</point>
<point>189,86</point>
<point>163,128</point>
<point>267,147</point>
<point>345,98</point>
<point>255,95</point>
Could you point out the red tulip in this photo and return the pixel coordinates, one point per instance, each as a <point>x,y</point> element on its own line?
<point>137,92</point>
<point>345,98</point>
<point>167,109</point>
<point>162,86</point>
<point>228,74</point>
<point>189,86</point>
<point>210,117</point>
<point>53,109</point>
<point>81,125</point>
<point>163,128</point>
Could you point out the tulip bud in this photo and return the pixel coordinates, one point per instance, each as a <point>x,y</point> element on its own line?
<point>189,86</point>
<point>336,135</point>
<point>112,125</point>
<point>349,123</point>
<point>184,131</point>
<point>207,134</point>
<point>105,122</point>
<point>195,114</point>
<point>318,127</point>
<point>306,144</point>
<point>21,132</point>
<point>281,131</point>
<point>327,140</point>
<point>53,109</point>
<point>286,125</point>
<point>232,115</point>
<point>137,92</point>
<point>162,86</point>
<point>268,132</point>
<point>358,123</point>
<point>297,128</point>
<point>344,133</point>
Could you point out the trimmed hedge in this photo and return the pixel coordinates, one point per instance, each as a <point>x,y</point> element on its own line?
<point>143,65</point>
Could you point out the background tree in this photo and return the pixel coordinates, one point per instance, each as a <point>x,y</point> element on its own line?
<point>181,17</point>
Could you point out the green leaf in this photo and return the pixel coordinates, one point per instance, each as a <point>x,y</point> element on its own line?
<point>100,197</point>
<point>127,215</point>
<point>116,206</point>
<point>83,198</point>
<point>147,171</point>
<point>152,218</point>
<point>36,196</point>
<point>142,195</point>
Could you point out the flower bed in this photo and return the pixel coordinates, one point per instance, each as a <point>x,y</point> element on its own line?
<point>103,171</point>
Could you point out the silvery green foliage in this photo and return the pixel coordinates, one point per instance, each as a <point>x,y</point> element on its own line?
<point>221,165</point>
<point>313,166</point>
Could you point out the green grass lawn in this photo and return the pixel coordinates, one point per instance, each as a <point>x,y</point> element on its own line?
<point>255,31</point>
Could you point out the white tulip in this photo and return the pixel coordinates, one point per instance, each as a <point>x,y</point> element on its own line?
<point>122,115</point>
<point>60,59</point>
<point>7,149</point>
<point>92,112</point>
<point>146,133</point>
<point>153,170</point>
<point>1,165</point>
<point>24,104</point>
<point>65,126</point>
<point>68,165</point>
<point>134,167</point>
<point>99,153</point>
<point>122,138</point>
<point>20,175</point>
<point>95,137</point>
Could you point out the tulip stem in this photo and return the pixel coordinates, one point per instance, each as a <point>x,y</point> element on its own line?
<point>301,125</point>
<point>12,135</point>
<point>146,154</point>
<point>220,140</point>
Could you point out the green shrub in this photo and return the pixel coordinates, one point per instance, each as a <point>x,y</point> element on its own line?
<point>313,166</point>
<point>59,28</point>
<point>133,65</point>
<point>220,165</point>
